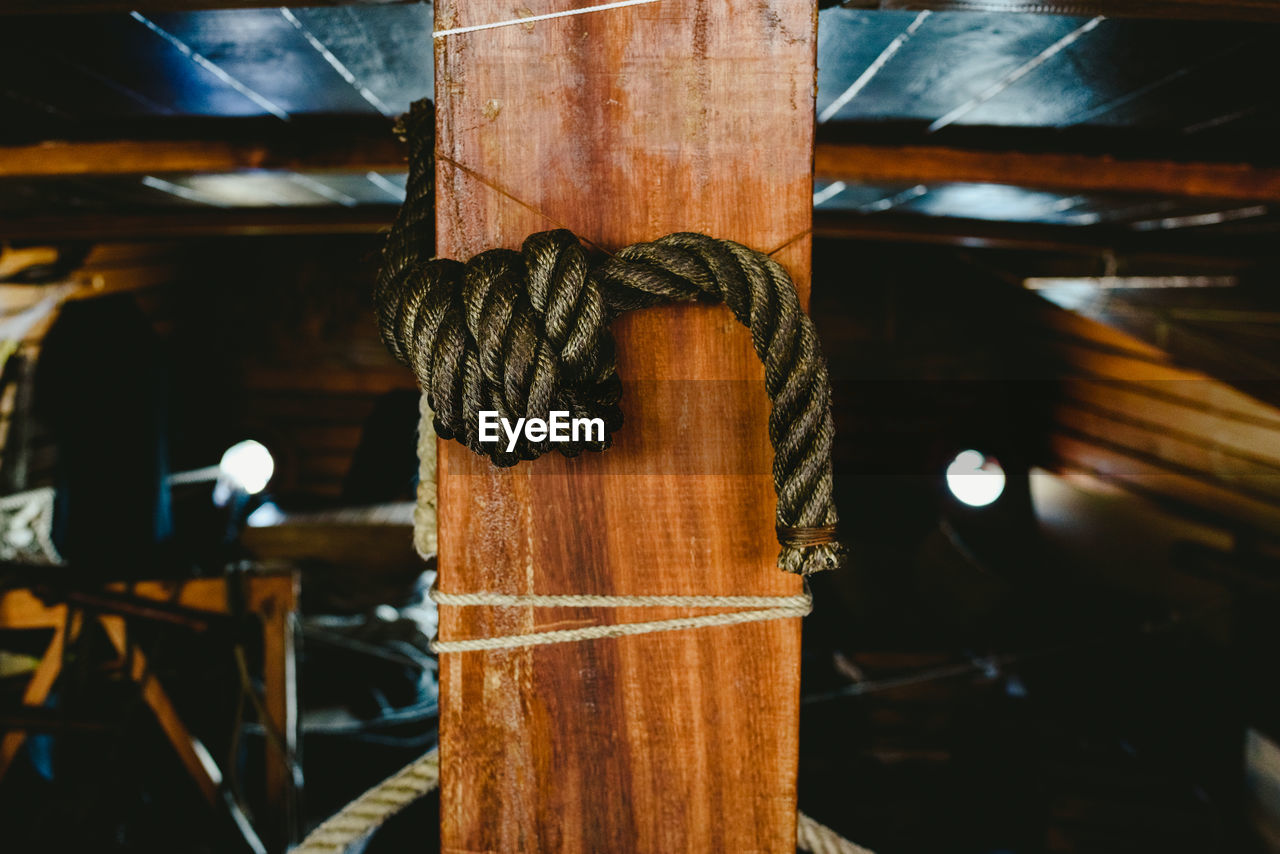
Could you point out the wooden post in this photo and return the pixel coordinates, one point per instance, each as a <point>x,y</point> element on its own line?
<point>624,125</point>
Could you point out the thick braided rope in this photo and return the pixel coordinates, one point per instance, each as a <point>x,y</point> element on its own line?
<point>421,777</point>
<point>525,333</point>
<point>819,839</point>
<point>764,608</point>
<point>366,813</point>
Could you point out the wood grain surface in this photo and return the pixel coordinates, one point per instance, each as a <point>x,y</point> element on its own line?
<point>624,125</point>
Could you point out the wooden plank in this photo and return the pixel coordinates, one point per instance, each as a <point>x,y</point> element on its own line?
<point>1073,325</point>
<point>36,692</point>
<point>372,546</point>
<point>309,152</point>
<point>248,222</point>
<point>1160,481</point>
<point>1246,437</point>
<point>361,150</point>
<point>1197,10</point>
<point>838,225</point>
<point>625,125</point>
<point>15,261</point>
<point>1092,241</point>
<point>1162,380</point>
<point>1186,451</point>
<point>275,599</point>
<point>1075,173</point>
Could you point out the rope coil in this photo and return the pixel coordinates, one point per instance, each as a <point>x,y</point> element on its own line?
<point>525,333</point>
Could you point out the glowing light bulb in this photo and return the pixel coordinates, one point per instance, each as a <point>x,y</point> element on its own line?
<point>975,479</point>
<point>248,466</point>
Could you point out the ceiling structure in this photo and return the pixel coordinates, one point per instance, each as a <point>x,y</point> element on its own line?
<point>1169,91</point>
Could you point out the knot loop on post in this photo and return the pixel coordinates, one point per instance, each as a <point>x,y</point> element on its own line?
<point>527,333</point>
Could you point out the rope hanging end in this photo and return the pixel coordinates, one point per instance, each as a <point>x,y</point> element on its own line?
<point>417,123</point>
<point>806,551</point>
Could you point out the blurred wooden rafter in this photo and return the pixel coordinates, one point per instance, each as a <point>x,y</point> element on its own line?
<point>363,151</point>
<point>1077,173</point>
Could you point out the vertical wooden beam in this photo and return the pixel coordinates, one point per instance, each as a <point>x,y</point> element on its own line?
<point>37,691</point>
<point>624,125</point>
<point>193,755</point>
<point>275,598</point>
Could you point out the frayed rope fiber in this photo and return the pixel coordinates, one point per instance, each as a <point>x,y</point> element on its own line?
<point>525,333</point>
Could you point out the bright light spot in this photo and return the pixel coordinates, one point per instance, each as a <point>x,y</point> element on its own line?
<point>248,466</point>
<point>974,479</point>
<point>265,516</point>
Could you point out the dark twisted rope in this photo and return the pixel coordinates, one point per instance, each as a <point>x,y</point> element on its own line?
<point>527,332</point>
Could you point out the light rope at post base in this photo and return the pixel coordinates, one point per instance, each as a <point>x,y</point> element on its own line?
<point>358,819</point>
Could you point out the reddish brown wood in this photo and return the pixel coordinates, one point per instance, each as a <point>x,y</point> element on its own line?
<point>625,125</point>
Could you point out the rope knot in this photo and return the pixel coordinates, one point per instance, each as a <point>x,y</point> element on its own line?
<point>524,334</point>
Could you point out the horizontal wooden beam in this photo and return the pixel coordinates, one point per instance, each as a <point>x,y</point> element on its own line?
<point>235,222</point>
<point>1197,10</point>
<point>1087,241</point>
<point>966,233</point>
<point>1076,173</point>
<point>44,7</point>
<point>368,148</point>
<point>302,152</point>
<point>836,225</point>
<point>14,261</point>
<point>371,219</point>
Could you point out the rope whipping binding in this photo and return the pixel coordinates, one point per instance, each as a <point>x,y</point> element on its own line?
<point>524,333</point>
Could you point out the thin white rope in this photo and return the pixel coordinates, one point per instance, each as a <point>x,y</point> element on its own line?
<point>581,600</point>
<point>531,18</point>
<point>763,608</point>
<point>421,777</point>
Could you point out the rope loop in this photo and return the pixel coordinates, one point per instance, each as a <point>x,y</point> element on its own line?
<point>527,333</point>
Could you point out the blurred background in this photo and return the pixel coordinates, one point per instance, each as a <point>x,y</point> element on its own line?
<point>1045,252</point>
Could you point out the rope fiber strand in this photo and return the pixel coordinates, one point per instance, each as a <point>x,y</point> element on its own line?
<point>524,333</point>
